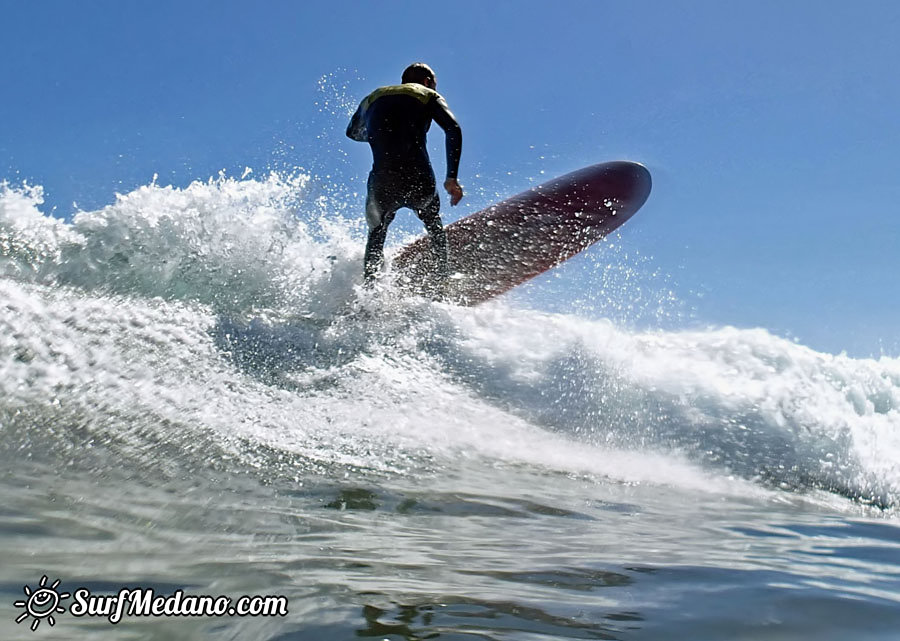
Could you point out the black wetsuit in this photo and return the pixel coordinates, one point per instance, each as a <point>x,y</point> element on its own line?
<point>394,121</point>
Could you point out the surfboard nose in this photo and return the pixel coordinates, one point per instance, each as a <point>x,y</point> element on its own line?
<point>631,180</point>
<point>621,185</point>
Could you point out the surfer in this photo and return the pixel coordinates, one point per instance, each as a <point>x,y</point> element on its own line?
<point>394,121</point>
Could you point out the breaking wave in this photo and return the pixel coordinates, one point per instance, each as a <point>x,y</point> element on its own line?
<point>224,324</point>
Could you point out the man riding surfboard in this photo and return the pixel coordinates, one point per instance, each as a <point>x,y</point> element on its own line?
<point>394,120</point>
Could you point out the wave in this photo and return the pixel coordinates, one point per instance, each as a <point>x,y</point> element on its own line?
<point>224,323</point>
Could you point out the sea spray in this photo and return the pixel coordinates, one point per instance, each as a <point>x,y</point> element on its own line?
<point>225,322</point>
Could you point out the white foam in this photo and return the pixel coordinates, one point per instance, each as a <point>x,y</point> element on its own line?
<point>231,310</point>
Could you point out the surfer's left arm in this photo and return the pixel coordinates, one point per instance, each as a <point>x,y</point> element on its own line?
<point>442,115</point>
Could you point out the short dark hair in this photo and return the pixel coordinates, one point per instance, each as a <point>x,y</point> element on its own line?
<point>417,72</point>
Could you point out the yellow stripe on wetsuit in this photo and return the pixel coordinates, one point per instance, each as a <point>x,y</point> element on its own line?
<point>415,90</point>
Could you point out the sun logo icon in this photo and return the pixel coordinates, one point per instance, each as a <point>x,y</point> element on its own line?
<point>43,603</point>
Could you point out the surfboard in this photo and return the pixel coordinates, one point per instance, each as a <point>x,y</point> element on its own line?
<point>503,246</point>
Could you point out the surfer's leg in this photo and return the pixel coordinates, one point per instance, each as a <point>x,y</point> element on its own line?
<point>430,215</point>
<point>378,216</point>
<point>375,247</point>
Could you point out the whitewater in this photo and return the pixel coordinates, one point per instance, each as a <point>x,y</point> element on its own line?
<point>197,394</point>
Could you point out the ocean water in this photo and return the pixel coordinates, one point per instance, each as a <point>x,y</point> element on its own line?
<point>196,395</point>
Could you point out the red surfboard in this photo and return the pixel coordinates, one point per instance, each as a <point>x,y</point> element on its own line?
<point>521,237</point>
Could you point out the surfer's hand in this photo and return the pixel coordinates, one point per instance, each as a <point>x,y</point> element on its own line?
<point>455,191</point>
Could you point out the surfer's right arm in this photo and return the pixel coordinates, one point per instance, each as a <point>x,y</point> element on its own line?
<point>357,127</point>
<point>442,115</point>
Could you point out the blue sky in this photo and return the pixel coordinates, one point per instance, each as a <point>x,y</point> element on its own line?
<point>770,128</point>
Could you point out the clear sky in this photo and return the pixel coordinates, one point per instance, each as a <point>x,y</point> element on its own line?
<point>770,127</point>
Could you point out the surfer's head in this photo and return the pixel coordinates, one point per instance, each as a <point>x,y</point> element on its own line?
<point>421,73</point>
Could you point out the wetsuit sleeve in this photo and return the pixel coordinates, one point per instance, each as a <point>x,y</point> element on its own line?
<point>442,115</point>
<point>357,127</point>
